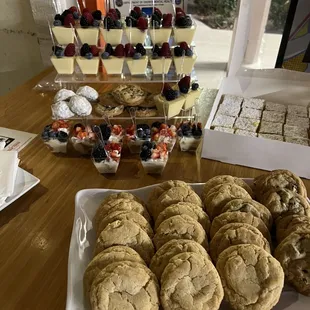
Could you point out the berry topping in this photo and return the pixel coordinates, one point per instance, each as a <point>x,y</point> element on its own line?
<point>96,23</point>
<point>109,49</point>
<point>131,21</point>
<point>94,50</point>
<point>89,56</point>
<point>118,13</point>
<point>155,24</point>
<point>165,50</point>
<point>59,53</point>
<point>169,93</point>
<point>76,15</point>
<point>183,21</point>
<point>189,53</point>
<point>73,9</point>
<point>70,50</point>
<point>142,23</point>
<point>137,56</point>
<point>137,10</point>
<point>97,15</point>
<point>58,17</point>
<point>195,86</point>
<point>158,13</point>
<point>86,10</point>
<point>105,55</point>
<point>143,131</point>
<point>178,9</point>
<point>188,129</point>
<point>134,14</point>
<point>62,136</point>
<point>99,154</point>
<point>105,131</point>
<point>184,84</point>
<point>69,20</point>
<point>89,18</point>
<point>167,21</point>
<point>57,22</point>
<point>84,22</point>
<point>85,49</point>
<point>184,46</point>
<point>65,13</point>
<point>129,50</point>
<point>140,49</point>
<point>119,51</point>
<point>113,13</point>
<point>117,130</point>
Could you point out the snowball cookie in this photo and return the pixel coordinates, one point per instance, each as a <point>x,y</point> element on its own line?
<point>60,110</point>
<point>63,94</point>
<point>124,232</point>
<point>191,282</point>
<point>252,279</point>
<point>88,92</point>
<point>111,255</point>
<point>125,285</point>
<point>80,106</point>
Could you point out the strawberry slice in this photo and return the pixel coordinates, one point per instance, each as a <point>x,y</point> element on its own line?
<point>163,126</point>
<point>155,154</point>
<point>142,23</point>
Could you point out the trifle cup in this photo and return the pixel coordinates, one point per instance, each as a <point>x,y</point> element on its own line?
<point>184,59</point>
<point>112,30</point>
<point>106,157</point>
<point>136,136</point>
<point>189,136</point>
<point>56,135</point>
<point>136,59</point>
<point>88,60</point>
<point>163,133</point>
<point>83,139</point>
<point>113,60</point>
<point>184,29</point>
<point>136,26</point>
<point>161,59</point>
<point>63,59</point>
<point>154,157</point>
<point>160,27</point>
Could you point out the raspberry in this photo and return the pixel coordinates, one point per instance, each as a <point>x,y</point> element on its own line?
<point>184,46</point>
<point>94,50</point>
<point>179,15</point>
<point>140,49</point>
<point>85,49</point>
<point>73,9</point>
<point>85,11</point>
<point>89,18</point>
<point>166,88</point>
<point>129,50</point>
<point>184,84</point>
<point>70,50</point>
<point>114,13</point>
<point>137,10</point>
<point>97,15</point>
<point>165,50</point>
<point>158,13</point>
<point>69,20</point>
<point>167,21</point>
<point>119,51</point>
<point>179,10</point>
<point>142,23</point>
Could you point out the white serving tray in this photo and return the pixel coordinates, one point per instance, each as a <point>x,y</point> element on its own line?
<point>83,240</point>
<point>24,182</point>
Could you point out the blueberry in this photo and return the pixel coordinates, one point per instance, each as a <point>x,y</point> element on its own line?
<point>147,131</point>
<point>96,23</point>
<point>53,134</point>
<point>105,55</point>
<point>99,154</point>
<point>189,53</point>
<point>47,128</point>
<point>184,90</point>
<point>140,133</point>
<point>180,133</point>
<point>147,144</point>
<point>155,55</point>
<point>76,15</point>
<point>57,17</point>
<point>178,51</point>
<point>45,136</point>
<point>118,24</point>
<point>195,86</point>
<point>84,22</point>
<point>62,136</point>
<point>60,53</point>
<point>105,131</point>
<point>109,49</point>
<point>57,22</point>
<point>137,56</point>
<point>89,56</point>
<point>176,93</point>
<point>146,154</point>
<point>143,126</point>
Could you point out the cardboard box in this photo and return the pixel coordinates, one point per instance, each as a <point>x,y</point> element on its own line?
<point>276,85</point>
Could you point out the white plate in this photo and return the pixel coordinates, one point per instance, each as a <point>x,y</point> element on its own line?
<point>83,240</point>
<point>23,183</point>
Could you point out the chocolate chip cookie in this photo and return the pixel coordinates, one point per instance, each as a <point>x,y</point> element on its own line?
<point>236,233</point>
<point>276,180</point>
<point>220,195</point>
<point>120,204</point>
<point>133,216</point>
<point>190,281</point>
<point>289,224</point>
<point>250,206</point>
<point>173,247</point>
<point>129,95</point>
<point>125,285</point>
<point>285,202</point>
<point>180,227</point>
<point>252,279</point>
<point>106,257</point>
<point>294,255</point>
<point>126,233</point>
<point>222,179</point>
<point>239,217</point>
<point>187,208</point>
<point>174,196</point>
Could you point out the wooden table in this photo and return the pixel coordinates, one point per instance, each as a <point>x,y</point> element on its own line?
<point>35,230</point>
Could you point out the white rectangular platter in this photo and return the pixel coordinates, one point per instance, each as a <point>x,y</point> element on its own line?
<point>83,240</point>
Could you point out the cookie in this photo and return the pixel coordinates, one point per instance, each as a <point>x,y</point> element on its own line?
<point>146,112</point>
<point>239,217</point>
<point>129,95</point>
<point>252,279</point>
<point>290,224</point>
<point>222,179</point>
<point>285,202</point>
<point>160,189</point>
<point>106,257</point>
<point>294,255</point>
<point>250,206</point>
<point>190,281</point>
<point>180,227</point>
<point>125,285</point>
<point>221,194</point>
<point>126,233</point>
<point>278,179</point>
<point>120,204</point>
<point>88,92</point>
<point>236,233</point>
<point>124,195</point>
<point>133,216</point>
<point>194,211</point>
<point>173,247</point>
<point>176,195</point>
<point>109,111</point>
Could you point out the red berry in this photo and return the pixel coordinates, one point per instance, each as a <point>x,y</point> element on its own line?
<point>94,50</point>
<point>73,9</point>
<point>158,11</point>
<point>70,50</point>
<point>142,23</point>
<point>85,11</point>
<point>167,21</point>
<point>166,88</point>
<point>137,9</point>
<point>179,10</point>
<point>89,18</point>
<point>179,15</point>
<point>129,50</point>
<point>113,14</point>
<point>184,45</point>
<point>165,50</point>
<point>69,20</point>
<point>119,51</point>
<point>185,82</point>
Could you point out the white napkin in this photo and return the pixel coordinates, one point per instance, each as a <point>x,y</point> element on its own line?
<point>8,169</point>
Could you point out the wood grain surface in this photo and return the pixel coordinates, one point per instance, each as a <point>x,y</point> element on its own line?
<point>35,230</point>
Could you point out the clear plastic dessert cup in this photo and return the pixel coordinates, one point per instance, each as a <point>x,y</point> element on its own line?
<point>108,165</point>
<point>56,146</point>
<point>134,145</point>
<point>83,146</point>
<point>189,144</point>
<point>154,166</point>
